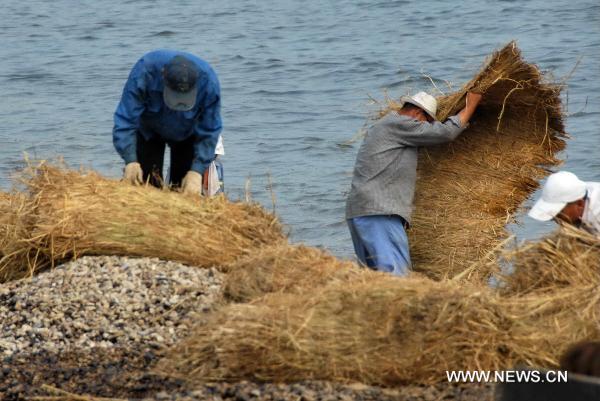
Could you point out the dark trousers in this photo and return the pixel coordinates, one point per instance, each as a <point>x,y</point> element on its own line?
<point>151,156</point>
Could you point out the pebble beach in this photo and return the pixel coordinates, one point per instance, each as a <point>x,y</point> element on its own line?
<point>99,325</point>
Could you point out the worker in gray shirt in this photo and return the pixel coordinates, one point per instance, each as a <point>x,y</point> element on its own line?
<point>380,201</point>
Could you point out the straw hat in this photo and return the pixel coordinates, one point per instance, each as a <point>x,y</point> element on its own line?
<point>422,100</point>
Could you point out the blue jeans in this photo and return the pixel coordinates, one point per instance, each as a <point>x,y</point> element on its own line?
<point>381,243</point>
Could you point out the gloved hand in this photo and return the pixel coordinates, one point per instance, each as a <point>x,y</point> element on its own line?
<point>191,183</point>
<point>133,173</point>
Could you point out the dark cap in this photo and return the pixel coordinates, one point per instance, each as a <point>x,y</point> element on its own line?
<point>181,78</point>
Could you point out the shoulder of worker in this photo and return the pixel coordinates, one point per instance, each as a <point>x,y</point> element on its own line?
<point>202,64</point>
<point>212,81</point>
<point>593,189</point>
<point>406,123</point>
<point>593,185</point>
<point>394,119</point>
<point>390,125</point>
<point>158,58</point>
<point>147,71</point>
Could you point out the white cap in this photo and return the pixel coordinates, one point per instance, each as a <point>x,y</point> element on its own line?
<point>422,100</point>
<point>561,188</point>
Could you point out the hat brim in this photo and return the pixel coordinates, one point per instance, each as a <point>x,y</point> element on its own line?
<point>180,101</point>
<point>544,211</point>
<point>408,99</point>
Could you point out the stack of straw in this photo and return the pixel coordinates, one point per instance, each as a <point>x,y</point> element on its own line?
<point>5,208</point>
<point>569,258</point>
<point>384,331</point>
<point>285,268</point>
<point>468,190</point>
<point>17,259</point>
<point>67,214</point>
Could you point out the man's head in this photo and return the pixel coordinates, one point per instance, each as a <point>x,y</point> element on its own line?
<point>563,198</point>
<point>421,106</point>
<point>181,84</point>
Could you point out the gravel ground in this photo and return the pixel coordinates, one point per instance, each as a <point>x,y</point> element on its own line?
<point>99,325</point>
<point>326,391</point>
<point>104,302</point>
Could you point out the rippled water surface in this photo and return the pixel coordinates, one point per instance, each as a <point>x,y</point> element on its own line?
<point>296,79</point>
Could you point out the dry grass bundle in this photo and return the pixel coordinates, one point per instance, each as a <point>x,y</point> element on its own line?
<point>17,258</point>
<point>385,331</point>
<point>468,190</point>
<point>5,210</point>
<point>5,226</point>
<point>568,258</point>
<point>284,268</point>
<point>72,214</point>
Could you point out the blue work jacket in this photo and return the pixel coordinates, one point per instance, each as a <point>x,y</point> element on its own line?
<point>142,109</point>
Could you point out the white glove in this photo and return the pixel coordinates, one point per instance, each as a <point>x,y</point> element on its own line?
<point>133,173</point>
<point>192,183</point>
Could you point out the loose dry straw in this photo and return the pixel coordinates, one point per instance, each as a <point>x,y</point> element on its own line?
<point>385,331</point>
<point>17,259</point>
<point>67,214</point>
<point>284,268</point>
<point>468,190</point>
<point>568,258</point>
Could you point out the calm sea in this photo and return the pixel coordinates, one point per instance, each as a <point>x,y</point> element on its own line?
<point>297,78</point>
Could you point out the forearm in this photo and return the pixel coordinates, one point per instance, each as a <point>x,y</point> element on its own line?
<point>207,132</point>
<point>471,102</point>
<point>125,139</point>
<point>127,121</point>
<point>126,147</point>
<point>204,153</point>
<point>425,134</point>
<point>465,115</point>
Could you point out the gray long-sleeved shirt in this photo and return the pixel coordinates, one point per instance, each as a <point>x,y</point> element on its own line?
<point>385,172</point>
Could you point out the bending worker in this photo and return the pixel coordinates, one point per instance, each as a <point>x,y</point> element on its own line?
<point>170,98</point>
<point>380,201</point>
<point>568,199</point>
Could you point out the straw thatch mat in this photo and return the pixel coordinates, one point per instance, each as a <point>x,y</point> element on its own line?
<point>469,189</point>
<point>568,258</point>
<point>5,209</point>
<point>385,331</point>
<point>16,257</point>
<point>73,213</point>
<point>285,268</point>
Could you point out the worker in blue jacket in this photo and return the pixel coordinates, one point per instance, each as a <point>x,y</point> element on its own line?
<point>170,98</point>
